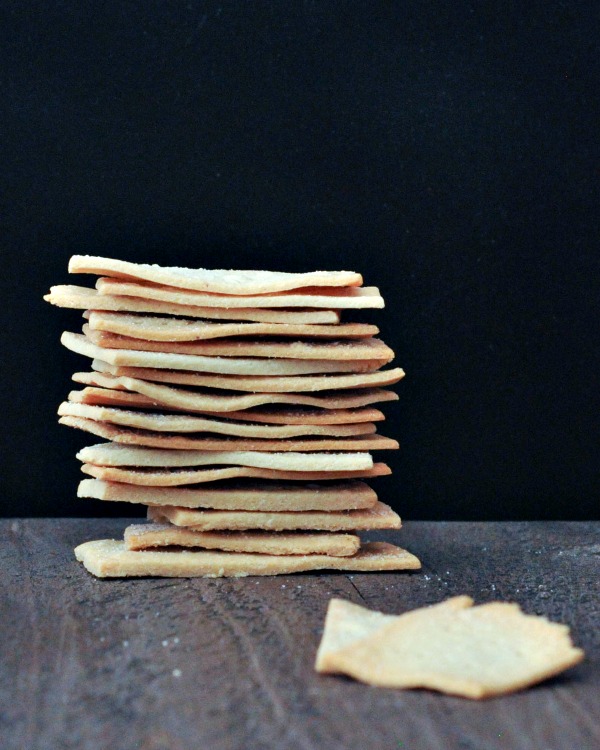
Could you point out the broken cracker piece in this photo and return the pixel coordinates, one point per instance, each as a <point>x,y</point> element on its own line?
<point>347,623</point>
<point>475,652</point>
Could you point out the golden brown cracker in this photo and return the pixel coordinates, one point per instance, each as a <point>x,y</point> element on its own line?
<point>179,398</point>
<point>475,652</point>
<point>350,349</point>
<point>145,536</point>
<point>343,298</point>
<point>133,436</point>
<point>147,477</point>
<point>187,423</point>
<point>378,516</point>
<point>156,328</point>
<point>109,558</point>
<point>255,495</point>
<point>113,454</point>
<point>225,365</point>
<point>82,298</point>
<point>268,414</point>
<point>213,281</point>
<point>257,384</point>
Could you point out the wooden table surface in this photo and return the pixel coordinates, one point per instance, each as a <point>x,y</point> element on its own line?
<point>208,664</point>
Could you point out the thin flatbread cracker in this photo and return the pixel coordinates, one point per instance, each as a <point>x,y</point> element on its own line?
<point>476,652</point>
<point>107,558</point>
<point>154,393</point>
<point>350,298</point>
<point>347,494</point>
<point>214,281</point>
<point>347,623</point>
<point>187,423</point>
<point>267,414</point>
<point>144,536</point>
<point>350,349</point>
<point>379,516</point>
<point>259,384</point>
<point>180,477</point>
<point>80,344</point>
<point>132,436</point>
<point>176,329</point>
<point>82,298</point>
<point>113,454</point>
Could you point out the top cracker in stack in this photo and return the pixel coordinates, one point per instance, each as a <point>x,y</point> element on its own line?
<point>239,409</point>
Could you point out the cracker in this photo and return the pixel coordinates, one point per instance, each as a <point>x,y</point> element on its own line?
<point>262,384</point>
<point>147,477</point>
<point>215,281</point>
<point>151,394</point>
<point>351,298</point>
<point>347,623</point>
<point>267,414</point>
<point>187,423</point>
<point>144,536</point>
<point>82,298</point>
<point>379,516</point>
<point>113,454</point>
<point>109,558</point>
<point>224,365</point>
<point>351,349</point>
<point>177,329</point>
<point>475,652</point>
<point>256,495</point>
<point>132,436</point>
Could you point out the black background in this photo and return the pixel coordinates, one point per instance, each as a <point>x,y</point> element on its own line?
<point>448,151</point>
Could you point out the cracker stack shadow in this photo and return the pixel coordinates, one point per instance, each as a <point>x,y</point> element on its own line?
<point>240,410</point>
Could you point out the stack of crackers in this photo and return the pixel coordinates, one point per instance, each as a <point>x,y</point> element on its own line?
<point>240,410</point>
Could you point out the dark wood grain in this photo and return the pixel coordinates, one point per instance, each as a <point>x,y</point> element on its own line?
<point>208,664</point>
